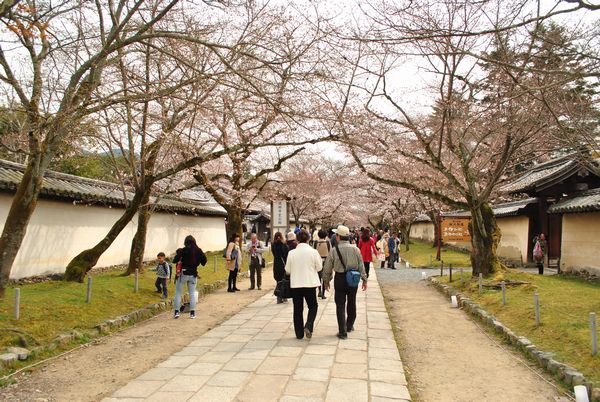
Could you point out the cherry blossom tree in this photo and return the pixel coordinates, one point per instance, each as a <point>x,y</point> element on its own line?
<point>318,188</point>
<point>177,134</point>
<point>53,58</point>
<point>481,123</point>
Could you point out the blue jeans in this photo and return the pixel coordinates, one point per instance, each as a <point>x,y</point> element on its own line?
<point>191,283</point>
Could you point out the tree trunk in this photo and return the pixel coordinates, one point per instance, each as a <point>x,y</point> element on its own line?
<point>87,259</point>
<point>234,221</point>
<point>138,244</point>
<point>436,228</point>
<point>485,237</point>
<point>406,237</point>
<point>21,210</point>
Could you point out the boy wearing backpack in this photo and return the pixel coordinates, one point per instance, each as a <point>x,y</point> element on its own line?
<point>163,273</point>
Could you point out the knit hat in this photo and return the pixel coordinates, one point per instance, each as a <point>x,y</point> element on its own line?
<point>291,236</point>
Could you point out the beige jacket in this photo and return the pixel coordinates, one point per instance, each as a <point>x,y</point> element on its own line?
<point>230,264</point>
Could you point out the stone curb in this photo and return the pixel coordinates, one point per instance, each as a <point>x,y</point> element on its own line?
<point>156,308</point>
<point>8,360</point>
<point>566,374</point>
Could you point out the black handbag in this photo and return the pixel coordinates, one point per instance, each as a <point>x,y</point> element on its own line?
<point>283,289</point>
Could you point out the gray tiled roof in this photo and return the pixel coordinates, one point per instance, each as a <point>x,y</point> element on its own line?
<point>543,175</point>
<point>422,218</point>
<point>588,201</point>
<point>253,217</point>
<point>511,208</point>
<point>80,189</point>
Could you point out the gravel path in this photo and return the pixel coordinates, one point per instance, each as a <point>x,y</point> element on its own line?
<point>446,356</point>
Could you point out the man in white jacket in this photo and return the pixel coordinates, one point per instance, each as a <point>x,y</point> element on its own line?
<point>303,264</point>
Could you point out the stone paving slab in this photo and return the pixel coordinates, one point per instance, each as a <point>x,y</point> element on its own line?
<point>254,356</point>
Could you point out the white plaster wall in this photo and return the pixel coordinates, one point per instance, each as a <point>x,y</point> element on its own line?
<point>514,240</point>
<point>59,230</point>
<point>580,242</point>
<point>513,243</point>
<point>422,230</point>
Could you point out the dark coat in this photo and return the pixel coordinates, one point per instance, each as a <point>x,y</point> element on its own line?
<point>280,253</point>
<point>190,258</point>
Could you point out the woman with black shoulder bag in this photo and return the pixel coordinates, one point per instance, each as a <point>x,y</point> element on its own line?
<point>280,253</point>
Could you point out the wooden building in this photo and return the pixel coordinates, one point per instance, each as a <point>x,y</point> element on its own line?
<point>550,183</point>
<point>563,203</point>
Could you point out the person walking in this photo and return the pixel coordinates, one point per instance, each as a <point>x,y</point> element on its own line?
<point>315,237</point>
<point>342,258</point>
<point>332,237</point>
<point>367,249</point>
<point>280,252</point>
<point>291,241</point>
<point>393,249</point>
<point>303,264</point>
<point>323,246</point>
<point>257,262</point>
<point>233,258</point>
<point>397,243</point>
<point>186,261</point>
<point>540,251</point>
<point>384,250</point>
<point>244,232</point>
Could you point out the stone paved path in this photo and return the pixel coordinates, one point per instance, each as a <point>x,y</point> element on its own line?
<point>254,356</point>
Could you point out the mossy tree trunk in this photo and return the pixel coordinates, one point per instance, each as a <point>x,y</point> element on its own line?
<point>138,244</point>
<point>485,237</point>
<point>234,221</point>
<point>21,209</point>
<point>436,227</point>
<point>406,236</point>
<point>87,259</point>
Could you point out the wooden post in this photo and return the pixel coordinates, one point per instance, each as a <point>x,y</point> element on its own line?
<point>480,283</point>
<point>536,299</point>
<point>442,268</point>
<point>503,293</point>
<point>450,272</point>
<point>594,334</point>
<point>88,296</point>
<point>439,245</point>
<point>215,264</point>
<point>17,303</point>
<point>462,281</point>
<point>430,261</point>
<point>137,278</point>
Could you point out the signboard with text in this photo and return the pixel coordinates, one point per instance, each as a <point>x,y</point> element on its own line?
<point>279,216</point>
<point>455,230</point>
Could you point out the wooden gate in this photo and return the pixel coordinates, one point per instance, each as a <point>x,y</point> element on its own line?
<point>554,235</point>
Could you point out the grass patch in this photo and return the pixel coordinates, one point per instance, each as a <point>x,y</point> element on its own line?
<point>54,307</point>
<point>420,254</point>
<point>565,304</point>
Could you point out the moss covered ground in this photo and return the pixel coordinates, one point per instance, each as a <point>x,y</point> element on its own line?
<point>422,255</point>
<point>54,307</point>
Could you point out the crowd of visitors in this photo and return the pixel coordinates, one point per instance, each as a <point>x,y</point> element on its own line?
<point>304,265</point>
